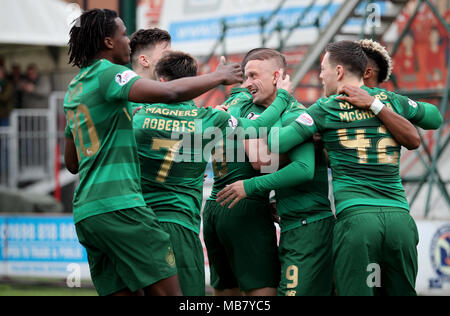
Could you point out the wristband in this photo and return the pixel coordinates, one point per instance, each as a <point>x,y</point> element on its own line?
<point>376,106</point>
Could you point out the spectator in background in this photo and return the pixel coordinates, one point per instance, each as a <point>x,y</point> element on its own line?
<point>35,89</point>
<point>436,62</point>
<point>6,97</point>
<point>16,77</point>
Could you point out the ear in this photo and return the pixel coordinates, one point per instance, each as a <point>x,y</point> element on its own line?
<point>161,79</point>
<point>340,71</point>
<point>368,73</point>
<point>143,61</point>
<point>276,76</point>
<point>109,43</point>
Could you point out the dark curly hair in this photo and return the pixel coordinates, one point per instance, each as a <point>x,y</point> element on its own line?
<point>143,39</point>
<point>380,56</point>
<point>88,34</point>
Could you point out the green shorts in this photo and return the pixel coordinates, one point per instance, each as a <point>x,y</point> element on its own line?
<point>306,258</point>
<point>241,245</point>
<point>375,252</point>
<point>126,249</point>
<point>188,251</point>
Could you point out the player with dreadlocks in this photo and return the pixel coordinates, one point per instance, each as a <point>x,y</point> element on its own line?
<point>127,249</point>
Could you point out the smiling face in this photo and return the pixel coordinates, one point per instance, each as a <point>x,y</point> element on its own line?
<point>329,75</point>
<point>261,81</point>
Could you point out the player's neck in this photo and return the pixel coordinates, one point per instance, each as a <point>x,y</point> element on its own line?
<point>371,83</point>
<point>105,55</point>
<point>350,81</point>
<point>145,73</point>
<point>268,102</point>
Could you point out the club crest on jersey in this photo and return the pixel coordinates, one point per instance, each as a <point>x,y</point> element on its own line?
<point>170,258</point>
<point>252,116</point>
<point>233,122</point>
<point>125,77</point>
<point>305,119</point>
<point>412,103</point>
<point>440,256</point>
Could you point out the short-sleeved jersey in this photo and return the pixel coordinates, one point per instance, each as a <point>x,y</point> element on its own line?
<point>228,171</point>
<point>174,145</point>
<point>99,120</point>
<point>363,154</point>
<point>309,199</point>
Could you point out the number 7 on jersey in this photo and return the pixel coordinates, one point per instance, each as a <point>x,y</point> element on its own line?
<point>172,148</point>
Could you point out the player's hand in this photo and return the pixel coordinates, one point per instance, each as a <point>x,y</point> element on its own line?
<point>284,82</point>
<point>222,107</point>
<point>231,73</point>
<point>356,96</point>
<point>232,193</point>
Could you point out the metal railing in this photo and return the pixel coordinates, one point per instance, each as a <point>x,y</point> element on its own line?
<point>4,145</point>
<point>28,145</point>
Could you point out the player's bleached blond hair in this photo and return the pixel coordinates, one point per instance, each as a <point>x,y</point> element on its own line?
<point>376,52</point>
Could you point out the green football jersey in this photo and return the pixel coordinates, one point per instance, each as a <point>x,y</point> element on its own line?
<point>309,199</point>
<point>99,120</point>
<point>174,145</point>
<point>364,155</point>
<point>226,170</point>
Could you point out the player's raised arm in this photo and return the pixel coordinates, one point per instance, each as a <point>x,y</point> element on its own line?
<point>149,91</point>
<point>283,139</point>
<point>422,114</point>
<point>403,131</point>
<point>379,69</point>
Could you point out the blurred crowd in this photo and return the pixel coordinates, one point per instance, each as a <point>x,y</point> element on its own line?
<point>21,90</point>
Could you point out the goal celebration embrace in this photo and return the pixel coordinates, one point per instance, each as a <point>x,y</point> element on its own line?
<point>305,200</point>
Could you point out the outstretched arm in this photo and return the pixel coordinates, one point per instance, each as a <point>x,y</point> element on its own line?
<point>403,131</point>
<point>283,139</point>
<point>428,116</point>
<point>150,91</point>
